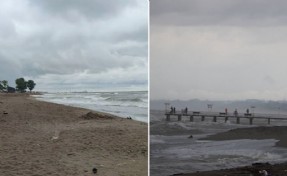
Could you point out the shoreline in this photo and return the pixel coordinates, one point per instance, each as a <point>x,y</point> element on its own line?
<point>124,114</point>
<point>43,138</point>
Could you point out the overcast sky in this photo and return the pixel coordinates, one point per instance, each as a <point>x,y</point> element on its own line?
<point>218,49</point>
<point>72,45</point>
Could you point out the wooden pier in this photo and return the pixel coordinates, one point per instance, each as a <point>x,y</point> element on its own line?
<point>215,115</point>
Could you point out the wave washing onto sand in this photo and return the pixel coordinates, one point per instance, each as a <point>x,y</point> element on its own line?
<point>172,151</point>
<point>123,104</point>
<point>180,156</point>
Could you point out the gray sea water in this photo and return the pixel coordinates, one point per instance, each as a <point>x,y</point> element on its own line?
<point>123,104</point>
<point>173,152</point>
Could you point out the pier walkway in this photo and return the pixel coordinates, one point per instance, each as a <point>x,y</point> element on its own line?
<point>226,116</point>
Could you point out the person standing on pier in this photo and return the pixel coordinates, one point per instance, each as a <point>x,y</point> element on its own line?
<point>225,111</point>
<point>171,110</point>
<point>247,111</point>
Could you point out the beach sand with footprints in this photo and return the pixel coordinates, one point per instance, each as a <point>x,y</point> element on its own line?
<point>40,138</point>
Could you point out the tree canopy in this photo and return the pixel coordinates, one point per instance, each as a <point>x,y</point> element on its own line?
<point>21,84</point>
<point>31,84</point>
<point>3,85</point>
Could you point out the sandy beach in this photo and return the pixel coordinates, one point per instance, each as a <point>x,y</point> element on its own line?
<point>39,138</point>
<point>274,132</point>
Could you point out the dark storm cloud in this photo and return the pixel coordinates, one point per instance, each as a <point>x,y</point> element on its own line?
<point>62,38</point>
<point>218,12</point>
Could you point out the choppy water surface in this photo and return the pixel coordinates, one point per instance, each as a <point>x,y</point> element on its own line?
<point>123,104</point>
<point>173,152</point>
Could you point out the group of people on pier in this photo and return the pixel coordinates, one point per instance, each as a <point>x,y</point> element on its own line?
<point>185,111</point>
<point>173,110</point>
<point>235,113</point>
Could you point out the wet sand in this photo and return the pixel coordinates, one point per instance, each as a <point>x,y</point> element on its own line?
<point>39,138</point>
<point>274,132</point>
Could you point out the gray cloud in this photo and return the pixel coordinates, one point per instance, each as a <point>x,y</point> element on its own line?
<point>218,12</point>
<point>92,9</point>
<point>55,39</point>
<point>218,49</point>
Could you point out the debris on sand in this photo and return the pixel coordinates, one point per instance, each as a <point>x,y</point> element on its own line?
<point>55,137</point>
<point>95,115</point>
<point>95,170</point>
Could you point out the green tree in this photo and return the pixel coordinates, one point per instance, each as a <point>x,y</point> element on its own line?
<point>1,86</point>
<point>5,84</point>
<point>31,84</point>
<point>21,84</point>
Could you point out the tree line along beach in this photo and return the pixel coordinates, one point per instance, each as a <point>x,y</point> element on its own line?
<point>42,138</point>
<point>21,86</point>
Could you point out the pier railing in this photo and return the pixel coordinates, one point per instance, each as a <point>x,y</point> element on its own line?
<point>226,116</point>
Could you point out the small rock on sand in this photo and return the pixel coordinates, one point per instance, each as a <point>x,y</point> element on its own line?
<point>95,170</point>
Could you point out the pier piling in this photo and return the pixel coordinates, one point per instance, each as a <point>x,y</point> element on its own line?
<point>238,120</point>
<point>179,118</point>
<point>226,119</point>
<point>251,120</point>
<point>167,117</point>
<point>202,118</point>
<point>191,118</point>
<point>269,121</point>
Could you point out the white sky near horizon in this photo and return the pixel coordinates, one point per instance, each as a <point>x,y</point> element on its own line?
<point>70,45</point>
<point>218,49</point>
